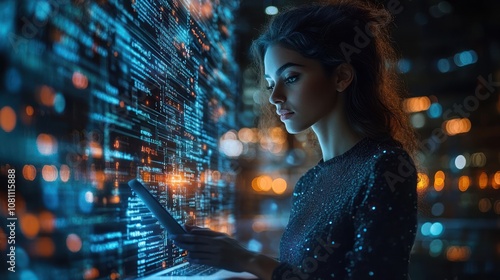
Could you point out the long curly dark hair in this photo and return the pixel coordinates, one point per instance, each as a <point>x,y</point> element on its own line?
<point>354,32</point>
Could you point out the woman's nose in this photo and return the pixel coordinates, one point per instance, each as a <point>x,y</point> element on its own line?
<point>277,96</point>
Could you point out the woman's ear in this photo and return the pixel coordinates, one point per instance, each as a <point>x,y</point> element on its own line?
<point>343,76</point>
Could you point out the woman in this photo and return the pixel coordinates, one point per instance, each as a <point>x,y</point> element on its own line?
<point>354,215</point>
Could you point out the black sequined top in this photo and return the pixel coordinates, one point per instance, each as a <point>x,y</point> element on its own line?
<point>353,217</point>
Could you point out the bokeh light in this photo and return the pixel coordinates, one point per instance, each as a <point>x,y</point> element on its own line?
<point>30,226</point>
<point>49,173</point>
<point>439,180</point>
<point>7,119</point>
<point>46,144</point>
<point>29,172</point>
<point>423,181</point>
<point>73,242</point>
<point>463,183</point>
<point>416,104</point>
<point>279,185</point>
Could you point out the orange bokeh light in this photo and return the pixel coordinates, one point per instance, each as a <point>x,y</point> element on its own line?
<point>279,185</point>
<point>439,179</point>
<point>457,126</point>
<point>47,221</point>
<point>463,183</point>
<point>47,96</point>
<point>64,173</point>
<point>265,183</point>
<point>73,242</point>
<point>483,180</point>
<point>29,111</point>
<point>44,247</point>
<point>46,144</point>
<point>423,181</point>
<point>7,119</point>
<point>29,172</point>
<point>79,80</point>
<point>495,181</point>
<point>49,173</point>
<point>30,226</point>
<point>91,273</point>
<point>417,104</point>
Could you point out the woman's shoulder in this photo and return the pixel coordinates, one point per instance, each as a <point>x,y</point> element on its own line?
<point>377,152</point>
<point>384,159</point>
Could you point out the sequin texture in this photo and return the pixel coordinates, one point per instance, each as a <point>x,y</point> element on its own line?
<point>353,217</point>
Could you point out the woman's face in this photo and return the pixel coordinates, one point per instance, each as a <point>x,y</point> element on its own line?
<point>302,93</point>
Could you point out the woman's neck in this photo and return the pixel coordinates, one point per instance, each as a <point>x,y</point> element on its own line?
<point>334,134</point>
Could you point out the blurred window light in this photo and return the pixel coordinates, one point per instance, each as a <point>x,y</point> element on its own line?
<point>484,205</point>
<point>254,245</point>
<point>79,80</point>
<point>478,159</point>
<point>435,111</point>
<point>59,103</point>
<point>465,58</point>
<point>49,173</point>
<point>439,179</point>
<point>458,253</point>
<point>483,180</point>
<point>279,185</point>
<point>496,208</point>
<point>459,162</point>
<point>231,147</point>
<point>423,181</point>
<point>64,173</point>
<point>271,10</point>
<point>436,229</point>
<point>29,172</point>
<point>7,119</point>
<point>437,209</point>
<point>13,80</point>
<point>47,221</point>
<point>404,65</point>
<point>30,225</point>
<point>443,65</point>
<point>44,247</point>
<point>418,120</point>
<point>46,96</point>
<point>495,180</point>
<point>262,183</point>
<point>426,229</point>
<point>29,111</point>
<point>46,144</point>
<point>416,104</point>
<point>73,242</point>
<point>463,183</point>
<point>246,135</point>
<point>255,184</point>
<point>436,247</point>
<point>457,126</point>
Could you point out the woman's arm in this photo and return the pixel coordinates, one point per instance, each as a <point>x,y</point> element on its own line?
<point>385,221</point>
<point>219,250</point>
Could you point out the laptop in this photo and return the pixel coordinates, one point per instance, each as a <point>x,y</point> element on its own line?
<point>185,270</point>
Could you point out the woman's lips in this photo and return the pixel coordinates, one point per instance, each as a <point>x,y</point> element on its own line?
<point>286,116</point>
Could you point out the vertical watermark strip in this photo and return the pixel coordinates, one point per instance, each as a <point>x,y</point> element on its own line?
<point>11,219</point>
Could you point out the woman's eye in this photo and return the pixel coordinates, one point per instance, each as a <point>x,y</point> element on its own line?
<point>291,79</point>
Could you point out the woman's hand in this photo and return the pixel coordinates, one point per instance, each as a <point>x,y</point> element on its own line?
<point>213,248</point>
